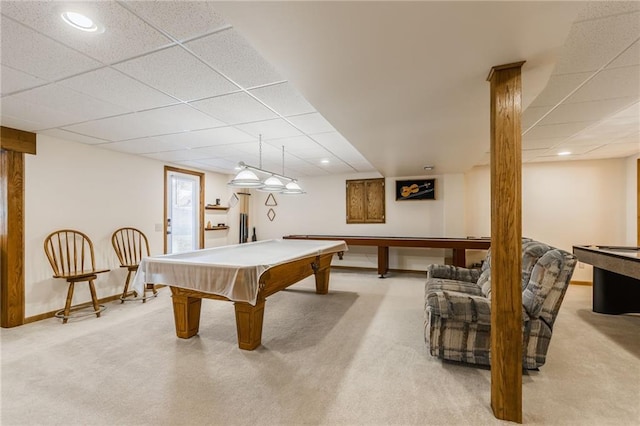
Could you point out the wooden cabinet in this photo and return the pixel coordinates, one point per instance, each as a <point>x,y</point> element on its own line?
<point>365,201</point>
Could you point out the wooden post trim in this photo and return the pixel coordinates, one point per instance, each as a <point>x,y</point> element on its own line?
<point>14,144</point>
<point>506,241</point>
<point>17,140</point>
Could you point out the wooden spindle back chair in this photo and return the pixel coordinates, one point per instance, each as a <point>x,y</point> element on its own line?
<point>70,254</point>
<point>131,245</point>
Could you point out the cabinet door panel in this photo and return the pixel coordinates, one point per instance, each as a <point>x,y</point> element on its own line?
<point>355,202</point>
<point>374,192</point>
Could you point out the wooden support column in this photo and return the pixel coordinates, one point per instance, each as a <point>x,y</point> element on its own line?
<point>13,145</point>
<point>506,242</point>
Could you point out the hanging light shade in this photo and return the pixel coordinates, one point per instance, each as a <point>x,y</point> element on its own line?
<point>292,188</point>
<point>246,179</point>
<point>272,184</point>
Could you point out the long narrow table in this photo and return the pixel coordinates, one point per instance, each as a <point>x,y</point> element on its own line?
<point>616,277</point>
<point>457,245</point>
<point>245,274</point>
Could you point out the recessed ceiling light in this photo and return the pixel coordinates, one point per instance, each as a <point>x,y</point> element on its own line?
<point>564,153</point>
<point>325,161</point>
<point>80,21</point>
<point>428,167</point>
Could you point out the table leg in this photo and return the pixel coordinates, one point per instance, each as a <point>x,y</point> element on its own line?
<point>186,312</point>
<point>249,324</point>
<point>459,257</point>
<point>322,280</point>
<point>383,260</point>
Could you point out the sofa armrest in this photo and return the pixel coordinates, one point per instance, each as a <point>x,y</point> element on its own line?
<point>455,306</point>
<point>462,307</point>
<point>450,272</point>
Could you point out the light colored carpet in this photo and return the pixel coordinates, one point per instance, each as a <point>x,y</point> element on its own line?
<point>353,357</point>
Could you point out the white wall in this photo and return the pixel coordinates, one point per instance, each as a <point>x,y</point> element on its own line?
<point>96,191</point>
<point>323,211</point>
<point>563,204</point>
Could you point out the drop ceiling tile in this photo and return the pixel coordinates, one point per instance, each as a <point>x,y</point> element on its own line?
<point>601,9</point>
<point>129,126</point>
<point>528,154</point>
<point>119,89</point>
<point>235,108</point>
<point>219,163</point>
<point>301,146</point>
<point>557,130</point>
<point>75,104</point>
<point>14,80</point>
<point>172,119</point>
<point>586,111</point>
<point>593,43</point>
<point>124,35</point>
<point>557,88</point>
<point>284,99</point>
<point>177,73</point>
<point>142,146</point>
<point>47,59</point>
<point>179,118</point>
<point>573,149</point>
<point>19,123</point>
<point>39,115</point>
<point>208,137</point>
<point>337,144</point>
<point>270,129</point>
<point>532,114</point>
<point>311,123</point>
<point>630,57</point>
<point>224,151</point>
<point>610,83</point>
<point>180,155</point>
<point>614,151</point>
<point>180,19</point>
<point>533,144</point>
<point>228,52</point>
<point>70,136</point>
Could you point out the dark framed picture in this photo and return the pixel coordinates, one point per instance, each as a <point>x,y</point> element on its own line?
<point>416,189</point>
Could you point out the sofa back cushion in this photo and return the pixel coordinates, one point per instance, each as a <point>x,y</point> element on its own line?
<point>546,272</point>
<point>547,284</point>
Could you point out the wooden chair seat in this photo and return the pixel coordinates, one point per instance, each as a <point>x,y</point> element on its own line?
<point>70,254</point>
<point>131,245</point>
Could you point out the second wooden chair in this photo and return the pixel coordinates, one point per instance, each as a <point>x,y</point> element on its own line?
<point>131,245</point>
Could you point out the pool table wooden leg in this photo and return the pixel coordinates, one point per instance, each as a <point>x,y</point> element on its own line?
<point>249,324</point>
<point>186,312</point>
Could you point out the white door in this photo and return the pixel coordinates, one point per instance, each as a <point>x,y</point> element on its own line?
<point>183,212</point>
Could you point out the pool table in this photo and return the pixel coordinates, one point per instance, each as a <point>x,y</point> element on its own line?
<point>616,277</point>
<point>245,274</point>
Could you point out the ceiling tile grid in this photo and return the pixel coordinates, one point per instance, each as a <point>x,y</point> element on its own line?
<point>112,86</point>
<point>228,52</point>
<point>124,35</point>
<point>180,19</point>
<point>177,73</point>
<point>46,59</point>
<point>174,80</point>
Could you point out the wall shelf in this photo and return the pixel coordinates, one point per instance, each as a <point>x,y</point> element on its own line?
<point>216,228</point>
<point>220,208</point>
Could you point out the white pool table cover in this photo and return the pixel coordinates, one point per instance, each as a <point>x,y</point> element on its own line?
<point>216,270</point>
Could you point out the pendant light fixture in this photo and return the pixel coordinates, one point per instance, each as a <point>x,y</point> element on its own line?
<point>246,178</point>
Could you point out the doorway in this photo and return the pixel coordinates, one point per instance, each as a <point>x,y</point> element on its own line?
<point>183,210</point>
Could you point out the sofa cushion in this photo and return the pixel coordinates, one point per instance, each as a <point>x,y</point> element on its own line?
<point>439,284</point>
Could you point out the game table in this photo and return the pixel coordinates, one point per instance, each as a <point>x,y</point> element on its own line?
<point>616,277</point>
<point>458,246</point>
<point>245,274</point>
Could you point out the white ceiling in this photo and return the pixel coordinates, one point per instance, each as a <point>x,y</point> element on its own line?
<point>368,86</point>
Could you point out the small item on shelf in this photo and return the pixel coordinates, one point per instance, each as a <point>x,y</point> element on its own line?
<point>209,225</point>
<point>254,237</point>
<point>221,224</point>
<point>217,201</point>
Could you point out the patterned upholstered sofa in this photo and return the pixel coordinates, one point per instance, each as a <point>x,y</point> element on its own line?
<point>458,305</point>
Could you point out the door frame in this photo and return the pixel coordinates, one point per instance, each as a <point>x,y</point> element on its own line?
<point>167,170</point>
